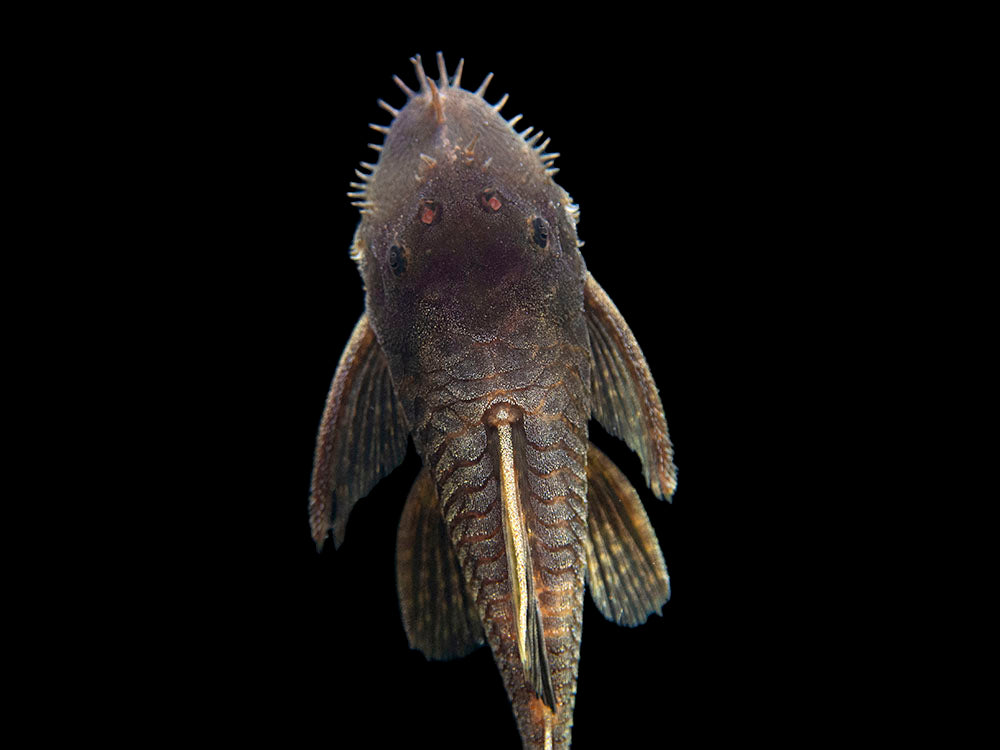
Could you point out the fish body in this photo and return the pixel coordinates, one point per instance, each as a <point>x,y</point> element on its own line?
<point>485,339</point>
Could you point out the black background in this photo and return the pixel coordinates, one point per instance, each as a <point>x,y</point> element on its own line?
<point>684,148</point>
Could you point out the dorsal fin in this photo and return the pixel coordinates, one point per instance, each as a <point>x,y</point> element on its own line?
<point>538,674</point>
<point>507,439</point>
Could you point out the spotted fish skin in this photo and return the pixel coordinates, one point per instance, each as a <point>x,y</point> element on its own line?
<point>486,340</point>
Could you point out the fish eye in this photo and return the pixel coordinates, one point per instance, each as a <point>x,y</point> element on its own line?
<point>539,231</point>
<point>397,259</point>
<point>490,200</point>
<point>429,212</point>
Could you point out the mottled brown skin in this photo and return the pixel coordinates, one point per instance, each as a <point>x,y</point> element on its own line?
<point>486,340</point>
<point>482,315</point>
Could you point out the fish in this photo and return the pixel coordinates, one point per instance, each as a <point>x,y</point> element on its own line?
<point>486,341</point>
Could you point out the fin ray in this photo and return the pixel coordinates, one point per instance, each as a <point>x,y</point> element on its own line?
<point>508,445</point>
<point>624,397</point>
<point>539,675</point>
<point>439,616</point>
<point>626,574</point>
<point>362,436</point>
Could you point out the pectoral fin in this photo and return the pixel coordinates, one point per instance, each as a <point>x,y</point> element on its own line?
<point>439,616</point>
<point>626,574</point>
<point>625,399</point>
<point>362,436</point>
